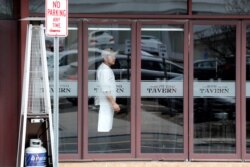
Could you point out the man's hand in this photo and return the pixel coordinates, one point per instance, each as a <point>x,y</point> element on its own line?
<point>116,107</point>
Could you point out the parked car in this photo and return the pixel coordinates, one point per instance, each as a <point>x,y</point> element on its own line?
<point>65,60</point>
<point>68,61</point>
<point>222,69</point>
<point>206,69</point>
<point>152,68</point>
<point>100,38</point>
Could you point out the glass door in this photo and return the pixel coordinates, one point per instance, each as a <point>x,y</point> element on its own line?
<point>162,76</point>
<point>215,90</point>
<point>135,90</point>
<point>110,74</point>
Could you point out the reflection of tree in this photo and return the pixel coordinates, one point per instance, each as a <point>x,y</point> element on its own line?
<point>6,7</point>
<point>35,5</point>
<point>248,41</point>
<point>219,39</point>
<point>222,39</point>
<point>238,6</point>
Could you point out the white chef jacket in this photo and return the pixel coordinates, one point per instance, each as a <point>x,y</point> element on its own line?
<point>106,79</point>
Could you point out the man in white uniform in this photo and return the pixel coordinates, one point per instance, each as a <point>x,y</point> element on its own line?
<point>107,97</point>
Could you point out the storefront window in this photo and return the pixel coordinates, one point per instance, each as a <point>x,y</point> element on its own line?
<point>248,89</point>
<point>225,7</point>
<point>214,89</point>
<point>68,95</point>
<point>109,96</point>
<point>121,7</point>
<point>6,8</point>
<point>162,89</point>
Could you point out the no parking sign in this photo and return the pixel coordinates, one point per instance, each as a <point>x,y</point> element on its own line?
<point>56,18</point>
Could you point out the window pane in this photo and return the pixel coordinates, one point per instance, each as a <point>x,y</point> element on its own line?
<point>214,89</point>
<point>109,77</point>
<point>6,8</point>
<point>176,7</point>
<point>162,89</point>
<point>248,89</point>
<point>68,96</point>
<point>228,7</point>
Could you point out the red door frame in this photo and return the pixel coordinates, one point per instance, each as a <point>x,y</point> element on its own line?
<point>188,95</point>
<point>106,156</point>
<point>217,157</point>
<point>160,156</point>
<point>245,155</point>
<point>135,97</point>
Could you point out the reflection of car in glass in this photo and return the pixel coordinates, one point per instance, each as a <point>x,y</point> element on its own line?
<point>214,109</point>
<point>150,44</point>
<point>65,60</point>
<point>100,38</point>
<point>206,69</point>
<point>223,69</point>
<point>49,44</point>
<point>152,68</point>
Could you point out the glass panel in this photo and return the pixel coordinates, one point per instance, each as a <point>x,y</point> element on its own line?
<point>68,95</point>
<point>228,7</point>
<point>162,88</point>
<point>121,6</point>
<point>109,89</point>
<point>248,89</point>
<point>6,8</point>
<point>214,89</point>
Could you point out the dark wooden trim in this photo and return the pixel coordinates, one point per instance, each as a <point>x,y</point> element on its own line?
<point>185,90</point>
<point>85,90</point>
<point>147,16</point>
<point>9,99</point>
<point>138,89</point>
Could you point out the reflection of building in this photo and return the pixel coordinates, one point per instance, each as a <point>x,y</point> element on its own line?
<point>183,80</point>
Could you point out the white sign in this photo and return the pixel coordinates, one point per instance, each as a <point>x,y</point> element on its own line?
<point>162,89</point>
<point>66,89</point>
<point>122,88</point>
<point>214,89</point>
<point>248,89</point>
<point>56,18</point>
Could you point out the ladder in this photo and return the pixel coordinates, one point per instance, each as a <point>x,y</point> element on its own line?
<point>36,115</point>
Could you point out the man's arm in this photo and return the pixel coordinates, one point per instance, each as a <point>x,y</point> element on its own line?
<point>112,101</point>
